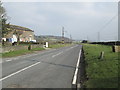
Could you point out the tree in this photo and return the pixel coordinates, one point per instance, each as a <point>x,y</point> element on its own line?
<point>2,11</point>
<point>3,21</point>
<point>5,27</point>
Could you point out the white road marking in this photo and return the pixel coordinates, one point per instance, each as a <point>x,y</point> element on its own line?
<point>57,54</point>
<point>76,71</point>
<point>19,71</point>
<point>71,48</point>
<point>9,60</point>
<point>62,51</point>
<point>25,56</point>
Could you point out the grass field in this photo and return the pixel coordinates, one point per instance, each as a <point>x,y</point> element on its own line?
<point>102,73</point>
<point>20,52</point>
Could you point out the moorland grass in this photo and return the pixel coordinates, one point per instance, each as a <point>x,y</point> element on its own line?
<point>102,73</point>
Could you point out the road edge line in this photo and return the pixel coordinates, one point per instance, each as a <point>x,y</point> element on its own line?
<point>74,82</point>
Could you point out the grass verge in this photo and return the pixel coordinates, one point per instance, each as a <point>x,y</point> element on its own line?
<point>101,73</point>
<point>20,52</point>
<point>23,52</point>
<point>59,45</point>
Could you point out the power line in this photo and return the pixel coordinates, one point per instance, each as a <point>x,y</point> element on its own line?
<point>103,28</point>
<point>108,22</point>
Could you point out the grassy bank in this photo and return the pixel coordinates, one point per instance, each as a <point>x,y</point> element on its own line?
<point>23,52</point>
<point>102,73</point>
<point>20,52</point>
<point>59,45</point>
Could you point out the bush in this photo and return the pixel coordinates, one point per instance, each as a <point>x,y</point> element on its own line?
<point>84,41</point>
<point>29,47</point>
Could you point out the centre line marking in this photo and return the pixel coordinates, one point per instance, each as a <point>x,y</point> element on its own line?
<point>70,48</point>
<point>8,60</point>
<point>76,71</point>
<point>19,71</point>
<point>57,54</point>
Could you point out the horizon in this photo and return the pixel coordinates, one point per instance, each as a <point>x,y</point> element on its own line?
<point>82,20</point>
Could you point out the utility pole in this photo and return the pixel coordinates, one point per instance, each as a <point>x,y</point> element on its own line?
<point>62,35</point>
<point>87,38</point>
<point>70,38</point>
<point>115,41</point>
<point>98,36</point>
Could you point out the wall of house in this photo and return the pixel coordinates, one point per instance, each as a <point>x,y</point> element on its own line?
<point>9,35</point>
<point>19,47</point>
<point>26,36</point>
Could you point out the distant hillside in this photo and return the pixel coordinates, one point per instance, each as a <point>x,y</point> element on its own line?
<point>12,27</point>
<point>50,38</point>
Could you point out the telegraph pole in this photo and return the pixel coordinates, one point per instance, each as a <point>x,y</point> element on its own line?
<point>70,38</point>
<point>62,35</point>
<point>98,36</point>
<point>87,38</point>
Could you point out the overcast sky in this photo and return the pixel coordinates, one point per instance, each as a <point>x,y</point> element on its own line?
<point>83,20</point>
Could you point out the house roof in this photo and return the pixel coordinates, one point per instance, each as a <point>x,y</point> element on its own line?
<point>20,28</point>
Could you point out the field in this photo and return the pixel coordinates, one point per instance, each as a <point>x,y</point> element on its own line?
<point>101,73</point>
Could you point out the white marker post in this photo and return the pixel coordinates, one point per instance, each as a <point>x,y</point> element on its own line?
<point>46,44</point>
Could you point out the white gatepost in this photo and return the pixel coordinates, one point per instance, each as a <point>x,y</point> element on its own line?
<point>47,44</point>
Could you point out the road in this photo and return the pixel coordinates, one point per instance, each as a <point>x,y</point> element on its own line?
<point>52,68</point>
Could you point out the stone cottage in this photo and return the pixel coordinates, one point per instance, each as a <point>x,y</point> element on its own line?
<point>24,34</point>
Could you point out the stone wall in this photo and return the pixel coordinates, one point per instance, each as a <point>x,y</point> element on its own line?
<point>18,47</point>
<point>117,48</point>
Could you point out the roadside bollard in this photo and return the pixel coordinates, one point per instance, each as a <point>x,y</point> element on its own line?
<point>29,47</point>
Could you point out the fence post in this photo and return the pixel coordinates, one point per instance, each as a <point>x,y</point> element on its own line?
<point>101,55</point>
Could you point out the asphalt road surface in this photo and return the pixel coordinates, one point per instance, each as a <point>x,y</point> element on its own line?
<point>52,68</point>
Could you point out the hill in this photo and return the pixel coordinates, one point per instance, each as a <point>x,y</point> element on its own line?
<point>51,38</point>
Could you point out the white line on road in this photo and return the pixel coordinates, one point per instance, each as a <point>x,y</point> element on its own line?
<point>19,71</point>
<point>9,60</point>
<point>71,48</point>
<point>76,71</point>
<point>62,51</point>
<point>57,54</point>
<point>26,56</point>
